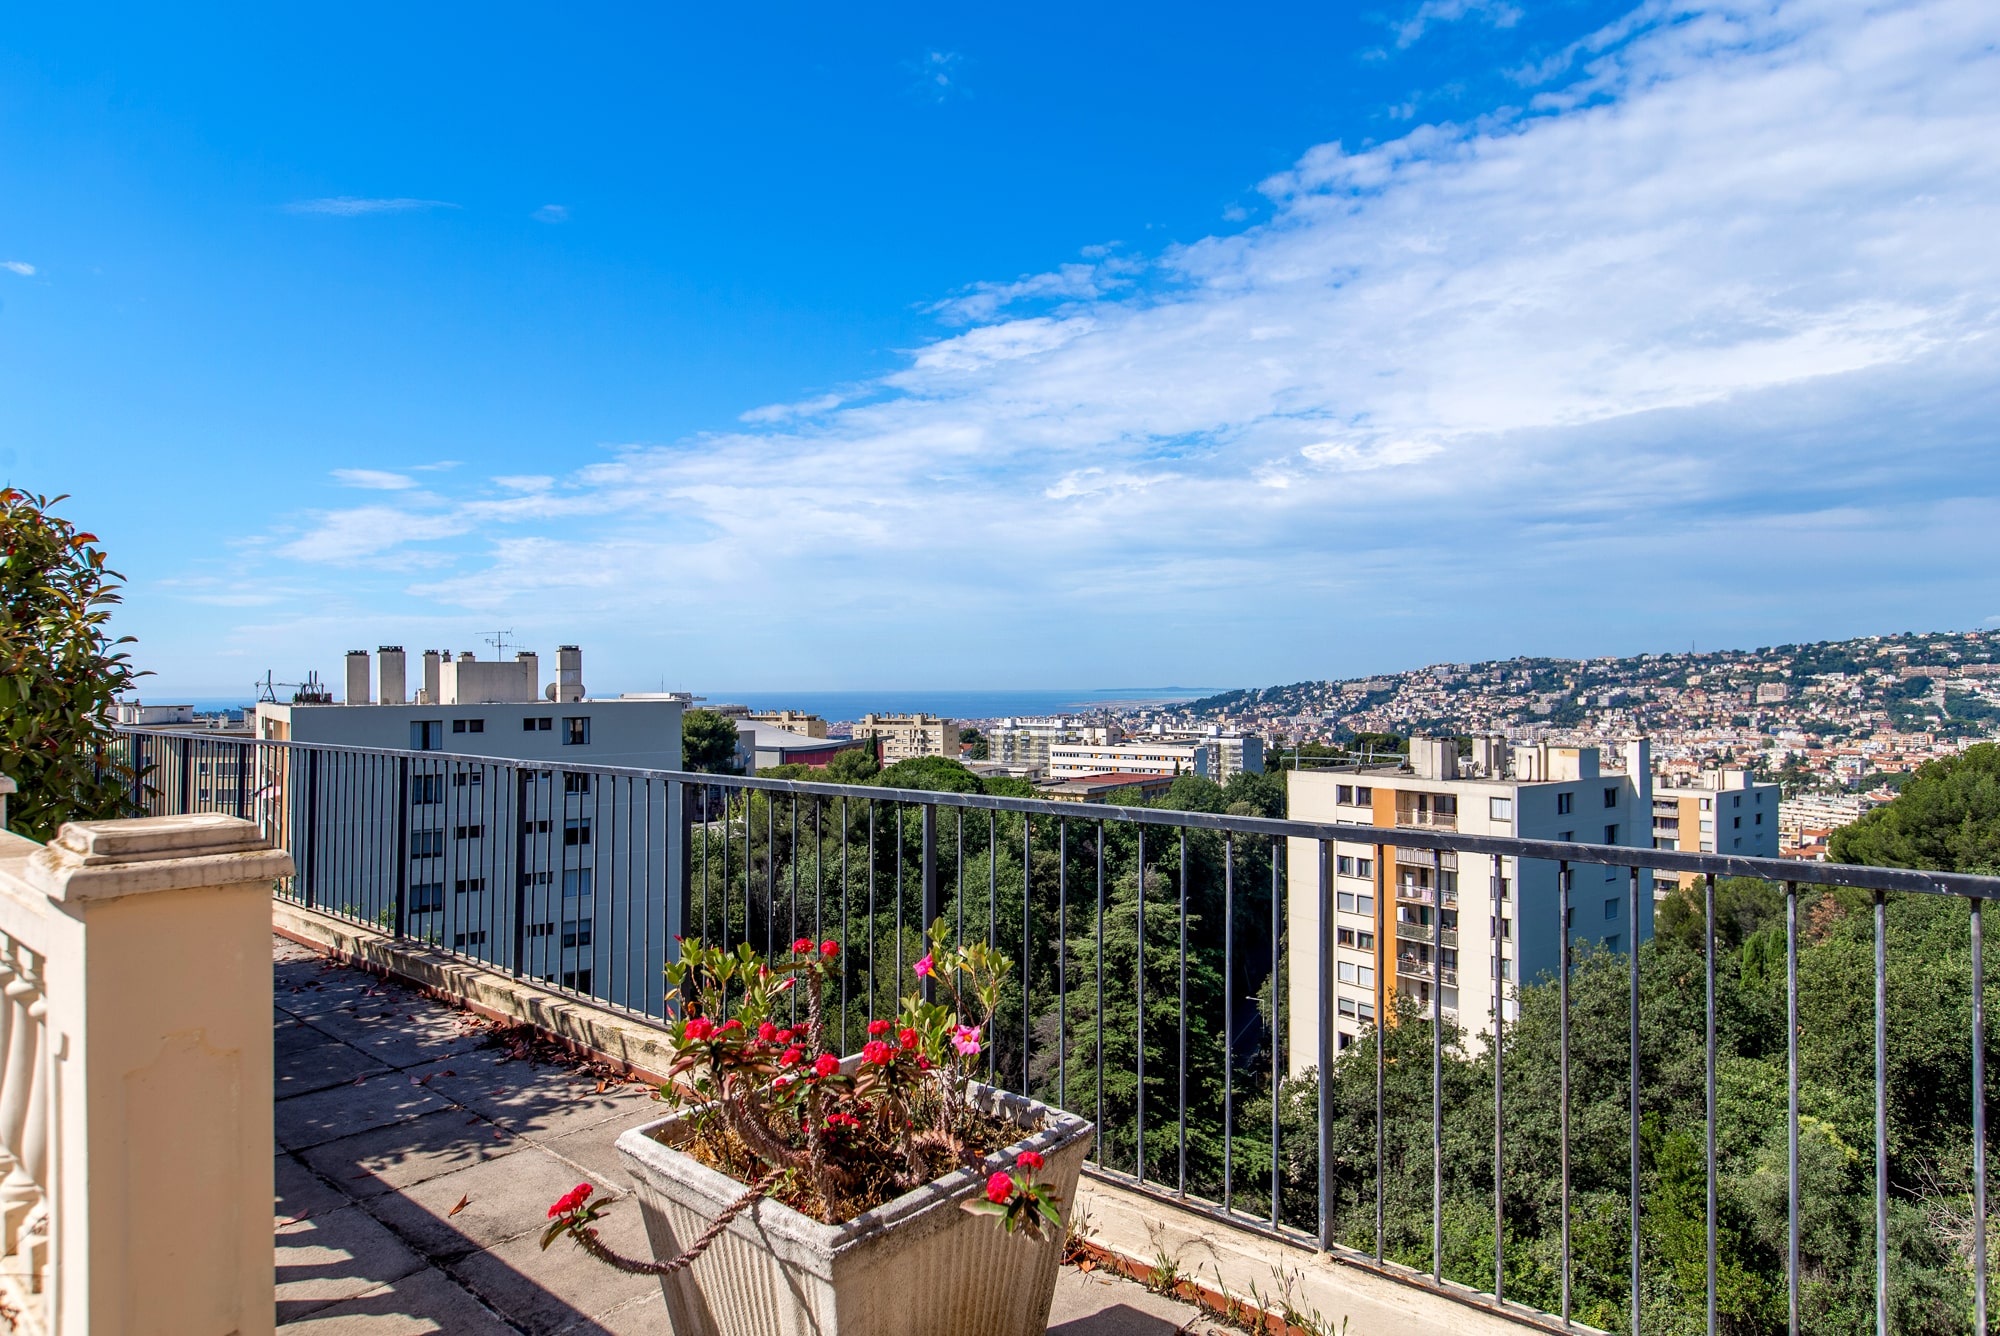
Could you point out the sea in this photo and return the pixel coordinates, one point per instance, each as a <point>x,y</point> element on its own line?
<point>951,703</point>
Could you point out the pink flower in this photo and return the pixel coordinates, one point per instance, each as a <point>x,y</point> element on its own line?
<point>877,1052</point>
<point>826,1064</point>
<point>999,1188</point>
<point>908,1038</point>
<point>1029,1159</point>
<point>698,1028</point>
<point>829,948</point>
<point>965,1039</point>
<point>802,947</point>
<point>570,1200</point>
<point>924,967</point>
<point>876,1029</point>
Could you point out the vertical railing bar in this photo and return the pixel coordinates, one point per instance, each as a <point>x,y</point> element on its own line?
<point>727,802</point>
<point>846,900</point>
<point>1101,1138</point>
<point>1278,1003</point>
<point>1881,1117</point>
<point>1139,1133</point>
<point>1792,1105</point>
<point>1027,941</point>
<point>1323,1012</point>
<point>958,875</point>
<point>900,875</point>
<point>770,874</point>
<point>1062,963</point>
<point>1562,976</point>
<point>1384,950</point>
<point>1229,1017</point>
<point>927,885</point>
<point>795,894</point>
<point>1632,945</point>
<point>1979,1114</point>
<point>993,920</point>
<point>1499,1082</point>
<point>1437,1067</point>
<point>1708,1045</point>
<point>1180,1189</point>
<point>871,914</point>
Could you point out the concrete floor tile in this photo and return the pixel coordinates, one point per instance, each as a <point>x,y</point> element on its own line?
<point>389,1159</point>
<point>326,1258</point>
<point>401,1032</point>
<point>504,1199</point>
<point>643,1316</point>
<point>420,1304</point>
<point>374,1101</point>
<point>543,1293</point>
<point>301,1193</point>
<point>307,1060</point>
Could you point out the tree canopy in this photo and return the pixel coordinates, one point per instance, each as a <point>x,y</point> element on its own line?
<point>708,742</point>
<point>1947,819</point>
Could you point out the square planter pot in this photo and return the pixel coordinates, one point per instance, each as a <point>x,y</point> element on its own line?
<point>921,1265</point>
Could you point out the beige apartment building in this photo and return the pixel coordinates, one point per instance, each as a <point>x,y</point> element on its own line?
<point>792,721</point>
<point>1390,902</point>
<point>1214,756</point>
<point>1717,812</point>
<point>906,736</point>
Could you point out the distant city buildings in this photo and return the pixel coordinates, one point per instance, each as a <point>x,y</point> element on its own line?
<point>907,736</point>
<point>792,721</point>
<point>1407,921</point>
<point>1215,757</point>
<point>1718,811</point>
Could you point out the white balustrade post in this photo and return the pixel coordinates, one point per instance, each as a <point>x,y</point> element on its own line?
<point>157,1133</point>
<point>23,1076</point>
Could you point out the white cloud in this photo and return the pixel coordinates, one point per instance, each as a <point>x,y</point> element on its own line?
<point>344,537</point>
<point>1732,278</point>
<point>1498,13</point>
<point>939,76</point>
<point>375,480</point>
<point>551,213</point>
<point>349,206</point>
<point>523,482</point>
<point>21,267</point>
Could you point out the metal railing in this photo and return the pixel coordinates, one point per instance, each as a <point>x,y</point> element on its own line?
<point>1148,992</point>
<point>1410,816</point>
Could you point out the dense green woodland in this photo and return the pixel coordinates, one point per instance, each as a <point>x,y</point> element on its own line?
<point>1074,1017</point>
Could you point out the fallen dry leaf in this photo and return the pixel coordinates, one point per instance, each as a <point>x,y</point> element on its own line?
<point>463,1202</point>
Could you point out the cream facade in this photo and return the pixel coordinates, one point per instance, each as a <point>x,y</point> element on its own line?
<point>1215,757</point>
<point>907,736</point>
<point>1407,921</point>
<point>1719,812</point>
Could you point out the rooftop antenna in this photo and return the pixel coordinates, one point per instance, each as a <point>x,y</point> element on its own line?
<point>266,689</point>
<point>499,642</point>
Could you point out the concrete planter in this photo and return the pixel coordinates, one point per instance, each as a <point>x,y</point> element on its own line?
<point>920,1265</point>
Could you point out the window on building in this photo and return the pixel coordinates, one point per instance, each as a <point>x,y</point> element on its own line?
<point>427,897</point>
<point>1611,909</point>
<point>468,832</point>
<point>1345,899</point>
<point>1363,795</point>
<point>576,831</point>
<point>540,929</point>
<point>1708,804</point>
<point>1364,904</point>
<point>1506,969</point>
<point>576,732</point>
<point>1344,936</point>
<point>1364,941</point>
<point>577,979</point>
<point>1502,889</point>
<point>1566,836</point>
<point>575,781</point>
<point>461,940</point>
<point>1365,1010</point>
<point>468,725</point>
<point>1445,804</point>
<point>426,734</point>
<point>534,878</point>
<point>1502,928</point>
<point>1611,942</point>
<point>1736,800</point>
<point>576,881</point>
<point>1367,976</point>
<point>534,827</point>
<point>426,843</point>
<point>576,932</point>
<point>1344,865</point>
<point>1760,819</point>
<point>426,789</point>
<point>468,884</point>
<point>1611,834</point>
<point>468,778</point>
<point>1344,1040</point>
<point>537,723</point>
<point>1348,972</point>
<point>1344,793</point>
<point>1500,809</point>
<point>1563,801</point>
<point>1346,1007</point>
<point>1611,797</point>
<point>1569,917</point>
<point>1736,822</point>
<point>1364,867</point>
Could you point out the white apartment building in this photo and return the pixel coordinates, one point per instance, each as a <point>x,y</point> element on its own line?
<point>1719,812</point>
<point>1389,901</point>
<point>1022,743</point>
<point>1215,757</point>
<point>585,859</point>
<point>906,736</point>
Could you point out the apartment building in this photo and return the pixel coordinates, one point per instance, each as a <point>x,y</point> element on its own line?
<point>792,721</point>
<point>1216,757</point>
<point>1390,902</point>
<point>546,854</point>
<point>1022,743</point>
<point>1717,812</point>
<point>906,736</point>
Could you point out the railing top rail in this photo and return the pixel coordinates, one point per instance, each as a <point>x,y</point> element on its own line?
<point>1918,880</point>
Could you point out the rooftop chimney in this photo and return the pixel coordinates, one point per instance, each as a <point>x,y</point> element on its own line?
<point>569,673</point>
<point>431,684</point>
<point>531,671</point>
<point>357,677</point>
<point>389,674</point>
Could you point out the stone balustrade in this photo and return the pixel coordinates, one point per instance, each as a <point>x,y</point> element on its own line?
<point>135,1078</point>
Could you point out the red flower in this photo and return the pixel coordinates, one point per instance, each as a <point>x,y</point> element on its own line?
<point>908,1038</point>
<point>570,1200</point>
<point>802,947</point>
<point>877,1052</point>
<point>784,1036</point>
<point>826,1064</point>
<point>999,1188</point>
<point>792,1056</point>
<point>876,1029</point>
<point>829,948</point>
<point>732,1025</point>
<point>768,1032</point>
<point>1028,1159</point>
<point>699,1028</point>
<point>842,1120</point>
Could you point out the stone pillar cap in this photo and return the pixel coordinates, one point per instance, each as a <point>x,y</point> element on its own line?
<point>101,860</point>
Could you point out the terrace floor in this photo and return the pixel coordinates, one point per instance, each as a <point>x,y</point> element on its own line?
<point>418,1148</point>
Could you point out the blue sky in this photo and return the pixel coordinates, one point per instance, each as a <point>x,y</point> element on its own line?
<point>1018,346</point>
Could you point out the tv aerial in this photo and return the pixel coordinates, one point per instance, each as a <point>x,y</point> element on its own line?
<point>500,642</point>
